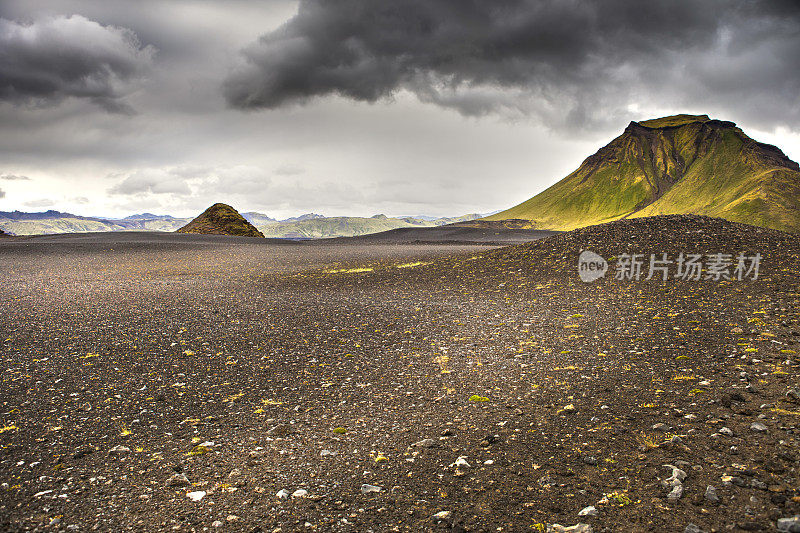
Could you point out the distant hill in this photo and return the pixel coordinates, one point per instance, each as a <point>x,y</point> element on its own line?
<point>316,228</point>
<point>326,227</point>
<point>149,216</point>
<point>682,164</point>
<point>258,219</point>
<point>49,222</point>
<point>221,219</point>
<point>307,216</point>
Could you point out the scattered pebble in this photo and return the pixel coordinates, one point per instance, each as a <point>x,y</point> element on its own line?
<point>178,480</point>
<point>461,462</point>
<point>789,525</point>
<point>196,496</point>
<point>588,511</point>
<point>367,488</point>
<point>119,449</point>
<point>577,528</point>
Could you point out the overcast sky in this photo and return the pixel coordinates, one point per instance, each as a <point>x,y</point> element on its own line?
<point>357,107</point>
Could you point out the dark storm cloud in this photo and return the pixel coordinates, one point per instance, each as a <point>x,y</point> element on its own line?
<point>569,63</point>
<point>45,61</point>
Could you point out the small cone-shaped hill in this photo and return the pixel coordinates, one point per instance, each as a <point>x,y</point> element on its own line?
<point>221,219</point>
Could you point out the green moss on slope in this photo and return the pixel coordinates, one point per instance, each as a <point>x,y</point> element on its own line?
<point>674,120</point>
<point>674,165</point>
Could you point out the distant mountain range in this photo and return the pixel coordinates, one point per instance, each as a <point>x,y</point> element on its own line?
<point>47,222</point>
<point>307,226</point>
<point>682,164</point>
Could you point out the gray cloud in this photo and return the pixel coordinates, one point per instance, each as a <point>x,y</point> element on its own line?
<point>289,170</point>
<point>14,177</point>
<point>240,185</point>
<point>42,202</point>
<point>53,58</point>
<point>574,63</point>
<point>2,193</point>
<point>153,181</point>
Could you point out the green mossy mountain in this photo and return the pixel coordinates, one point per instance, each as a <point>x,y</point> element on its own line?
<point>682,164</point>
<point>221,219</point>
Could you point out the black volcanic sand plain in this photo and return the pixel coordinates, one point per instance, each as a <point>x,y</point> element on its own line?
<point>351,377</point>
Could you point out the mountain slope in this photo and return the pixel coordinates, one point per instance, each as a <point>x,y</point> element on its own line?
<point>221,219</point>
<point>674,165</point>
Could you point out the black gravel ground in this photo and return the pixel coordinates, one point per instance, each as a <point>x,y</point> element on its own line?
<point>396,387</point>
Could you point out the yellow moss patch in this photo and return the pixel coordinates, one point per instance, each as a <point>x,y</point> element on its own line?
<point>198,450</point>
<point>271,402</point>
<point>349,270</point>
<point>785,412</point>
<point>618,498</point>
<point>412,265</point>
<point>234,397</point>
